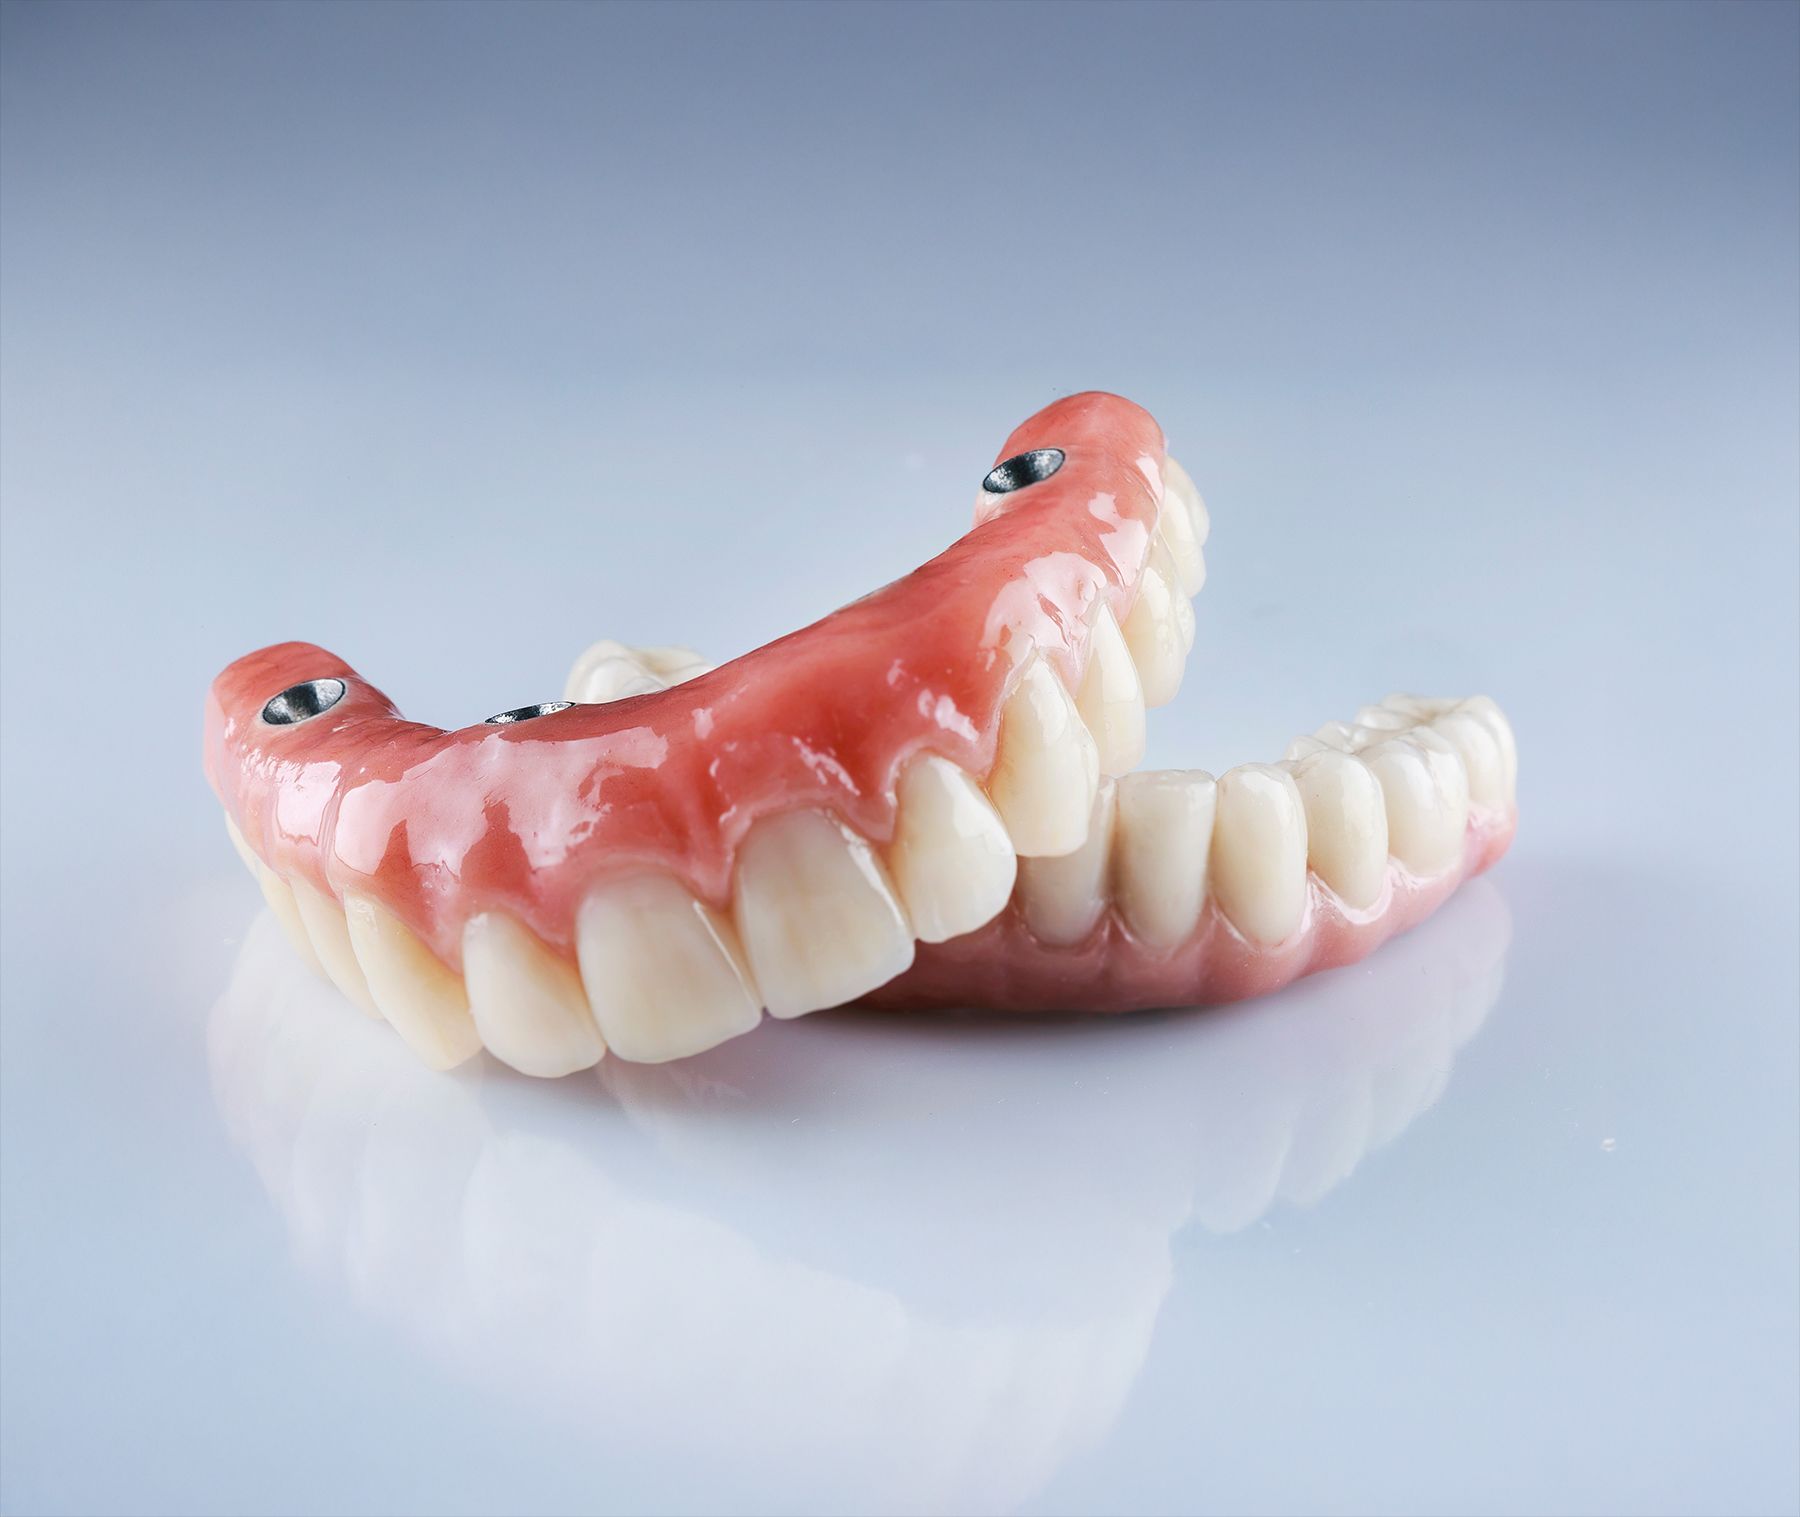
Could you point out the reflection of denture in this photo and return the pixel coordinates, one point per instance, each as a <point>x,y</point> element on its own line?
<point>844,1260</point>
<point>653,861</point>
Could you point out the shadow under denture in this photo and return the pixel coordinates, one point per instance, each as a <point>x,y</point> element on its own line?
<point>932,1250</point>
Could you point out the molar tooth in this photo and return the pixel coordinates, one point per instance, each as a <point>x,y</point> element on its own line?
<point>422,1000</point>
<point>1421,708</point>
<point>1154,630</point>
<point>1346,825</point>
<point>1111,699</point>
<point>1305,747</point>
<point>1045,768</point>
<point>663,970</point>
<point>673,665</point>
<point>1475,743</point>
<point>1382,719</point>
<point>526,999</point>
<point>815,913</point>
<point>1338,735</point>
<point>1427,799</point>
<point>951,859</point>
<point>1164,835</point>
<point>1484,708</point>
<point>330,938</point>
<point>1062,898</point>
<point>1177,479</point>
<point>1259,852</point>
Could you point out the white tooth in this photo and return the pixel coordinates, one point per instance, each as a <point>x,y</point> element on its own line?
<point>663,971</point>
<point>815,913</point>
<point>1045,768</point>
<point>1177,479</point>
<point>951,859</point>
<point>280,899</point>
<point>1474,741</point>
<point>1153,632</point>
<point>527,999</point>
<point>1419,708</point>
<point>673,665</point>
<point>1305,747</point>
<point>1338,735</point>
<point>421,998</point>
<point>1427,798</point>
<point>1111,700</point>
<point>1259,852</point>
<point>602,673</point>
<point>1346,825</point>
<point>1381,719</point>
<point>1163,838</point>
<point>1062,898</point>
<point>1176,528</point>
<point>323,919</point>
<point>1483,707</point>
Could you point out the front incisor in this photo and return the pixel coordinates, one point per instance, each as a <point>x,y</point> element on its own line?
<point>1259,852</point>
<point>1163,834</point>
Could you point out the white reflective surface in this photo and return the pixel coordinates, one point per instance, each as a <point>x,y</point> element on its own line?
<point>455,344</point>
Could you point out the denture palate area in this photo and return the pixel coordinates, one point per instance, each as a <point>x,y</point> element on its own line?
<point>926,798</point>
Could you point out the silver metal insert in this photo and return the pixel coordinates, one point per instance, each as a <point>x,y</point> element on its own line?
<point>1023,469</point>
<point>526,713</point>
<point>302,702</point>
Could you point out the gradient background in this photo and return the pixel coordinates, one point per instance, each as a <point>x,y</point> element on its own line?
<point>454,337</point>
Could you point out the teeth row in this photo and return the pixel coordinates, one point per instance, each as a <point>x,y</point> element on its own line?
<point>1398,784</point>
<point>818,915</point>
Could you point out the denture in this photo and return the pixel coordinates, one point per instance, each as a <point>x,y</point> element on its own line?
<point>925,799</point>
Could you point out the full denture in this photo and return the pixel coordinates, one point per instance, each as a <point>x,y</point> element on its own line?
<point>923,799</point>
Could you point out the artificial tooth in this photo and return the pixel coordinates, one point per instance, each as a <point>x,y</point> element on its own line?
<point>1045,768</point>
<point>527,1000</point>
<point>663,970</point>
<point>1259,852</point>
<point>1420,708</point>
<point>1484,708</point>
<point>1427,799</point>
<point>323,919</point>
<point>673,665</point>
<point>1383,719</point>
<point>815,913</point>
<point>1338,735</point>
<point>422,1000</point>
<point>1176,528</point>
<point>1162,838</point>
<point>1153,631</point>
<point>1178,480</point>
<point>1304,747</point>
<point>1475,743</point>
<point>951,860</point>
<point>280,898</point>
<point>1346,825</point>
<point>1111,698</point>
<point>1062,898</point>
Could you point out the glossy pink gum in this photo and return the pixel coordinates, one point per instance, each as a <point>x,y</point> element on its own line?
<point>1003,967</point>
<point>441,825</point>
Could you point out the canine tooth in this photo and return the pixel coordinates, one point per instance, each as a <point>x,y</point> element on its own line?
<point>1046,767</point>
<point>1111,699</point>
<point>1153,631</point>
<point>1177,479</point>
<point>422,1000</point>
<point>951,859</point>
<point>330,939</point>
<point>1259,852</point>
<point>1475,743</point>
<point>815,913</point>
<point>1346,825</point>
<point>663,970</point>
<point>1062,898</point>
<point>1483,707</point>
<point>1176,528</point>
<point>1427,799</point>
<point>280,899</point>
<point>1163,836</point>
<point>527,1000</point>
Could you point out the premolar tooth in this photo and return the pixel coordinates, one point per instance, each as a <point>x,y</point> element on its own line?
<point>1305,747</point>
<point>1177,480</point>
<point>815,913</point>
<point>1346,825</point>
<point>280,899</point>
<point>1420,708</point>
<point>1153,631</point>
<point>1475,743</point>
<point>1062,898</point>
<point>1338,735</point>
<point>330,939</point>
<point>1483,707</point>
<point>673,665</point>
<point>951,859</point>
<point>1176,528</point>
<point>663,970</point>
<point>1162,840</point>
<point>1383,719</point>
<point>1045,768</point>
<point>1111,698</point>
<point>422,1000</point>
<point>527,1000</point>
<point>1259,852</point>
<point>1427,799</point>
